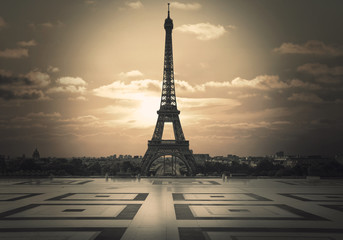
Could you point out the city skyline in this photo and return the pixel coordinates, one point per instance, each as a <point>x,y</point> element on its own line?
<point>84,78</point>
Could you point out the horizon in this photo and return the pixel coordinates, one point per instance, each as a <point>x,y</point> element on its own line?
<point>141,156</point>
<point>83,78</point>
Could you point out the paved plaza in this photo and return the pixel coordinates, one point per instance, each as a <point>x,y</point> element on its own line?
<point>171,208</point>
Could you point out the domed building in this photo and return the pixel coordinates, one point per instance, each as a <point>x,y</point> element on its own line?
<point>36,155</point>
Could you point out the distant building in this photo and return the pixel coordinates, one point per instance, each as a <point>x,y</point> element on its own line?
<point>280,158</point>
<point>201,158</point>
<point>304,160</point>
<point>279,154</point>
<point>253,161</point>
<point>36,155</point>
<point>233,158</point>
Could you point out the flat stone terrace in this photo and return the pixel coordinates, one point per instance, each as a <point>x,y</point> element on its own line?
<point>171,208</point>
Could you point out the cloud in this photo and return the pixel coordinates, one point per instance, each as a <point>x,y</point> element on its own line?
<point>25,87</point>
<point>67,89</point>
<point>207,102</point>
<point>328,79</point>
<point>314,47</point>
<point>5,73</point>
<point>69,85</point>
<point>79,126</point>
<point>53,69</point>
<point>90,2</point>
<point>134,5</point>
<point>203,31</point>
<point>2,23</point>
<point>135,90</point>
<point>296,83</point>
<point>251,96</point>
<point>253,125</point>
<point>263,82</point>
<point>320,69</point>
<point>71,81</point>
<point>233,27</point>
<point>216,84</point>
<point>197,111</point>
<point>133,73</point>
<point>185,6</point>
<point>14,53</point>
<point>87,118</point>
<point>305,97</point>
<point>79,98</point>
<point>202,87</point>
<point>34,120</point>
<point>33,79</point>
<point>268,82</point>
<point>46,25</point>
<point>23,94</point>
<point>136,102</point>
<point>56,124</point>
<point>185,86</point>
<point>30,43</point>
<point>44,115</point>
<point>38,78</point>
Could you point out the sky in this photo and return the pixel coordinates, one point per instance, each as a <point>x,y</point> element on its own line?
<point>83,77</point>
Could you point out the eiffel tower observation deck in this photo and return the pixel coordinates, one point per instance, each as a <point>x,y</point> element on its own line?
<point>176,149</point>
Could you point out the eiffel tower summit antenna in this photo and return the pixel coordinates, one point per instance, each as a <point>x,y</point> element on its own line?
<point>168,113</point>
<point>168,10</point>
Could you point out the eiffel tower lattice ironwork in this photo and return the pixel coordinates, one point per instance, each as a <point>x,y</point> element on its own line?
<point>168,112</point>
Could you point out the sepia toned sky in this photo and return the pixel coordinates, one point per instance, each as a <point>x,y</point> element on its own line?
<point>83,77</point>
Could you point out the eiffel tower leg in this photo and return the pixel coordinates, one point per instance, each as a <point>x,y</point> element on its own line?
<point>178,129</point>
<point>164,166</point>
<point>173,166</point>
<point>148,158</point>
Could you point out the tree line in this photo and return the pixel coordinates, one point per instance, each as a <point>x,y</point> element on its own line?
<point>77,167</point>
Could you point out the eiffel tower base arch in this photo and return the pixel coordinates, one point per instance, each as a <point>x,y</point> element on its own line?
<point>168,147</point>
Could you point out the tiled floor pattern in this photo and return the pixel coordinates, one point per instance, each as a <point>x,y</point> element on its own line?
<point>54,182</point>
<point>195,209</point>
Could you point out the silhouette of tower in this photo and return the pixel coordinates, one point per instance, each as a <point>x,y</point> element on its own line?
<point>168,112</point>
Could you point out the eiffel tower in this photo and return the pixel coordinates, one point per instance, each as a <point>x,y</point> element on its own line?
<point>168,112</point>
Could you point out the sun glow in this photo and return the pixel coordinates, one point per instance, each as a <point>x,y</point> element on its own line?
<point>145,114</point>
